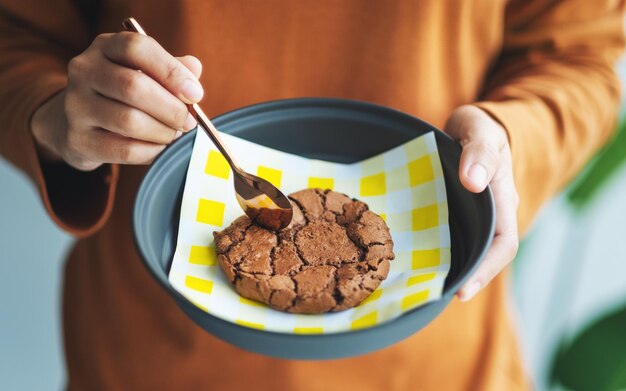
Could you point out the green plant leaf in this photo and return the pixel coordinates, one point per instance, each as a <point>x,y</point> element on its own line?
<point>599,172</point>
<point>596,359</point>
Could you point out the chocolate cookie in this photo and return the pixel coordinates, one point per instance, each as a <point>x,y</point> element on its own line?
<point>331,257</point>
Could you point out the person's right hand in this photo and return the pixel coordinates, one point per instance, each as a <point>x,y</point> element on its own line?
<point>124,102</point>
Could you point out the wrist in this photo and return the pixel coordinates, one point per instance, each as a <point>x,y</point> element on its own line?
<point>47,125</point>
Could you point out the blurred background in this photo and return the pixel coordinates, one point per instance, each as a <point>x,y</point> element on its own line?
<point>569,283</point>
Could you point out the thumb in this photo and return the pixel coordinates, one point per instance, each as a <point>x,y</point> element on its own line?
<point>193,64</point>
<point>479,161</point>
<point>482,139</point>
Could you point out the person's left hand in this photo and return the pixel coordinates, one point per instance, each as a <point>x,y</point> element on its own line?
<point>486,160</point>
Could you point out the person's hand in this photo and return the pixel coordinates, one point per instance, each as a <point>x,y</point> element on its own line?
<point>124,102</point>
<point>486,160</point>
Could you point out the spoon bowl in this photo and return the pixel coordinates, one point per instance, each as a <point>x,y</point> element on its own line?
<point>262,201</point>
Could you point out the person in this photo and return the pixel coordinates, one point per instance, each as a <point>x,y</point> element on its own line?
<point>527,87</point>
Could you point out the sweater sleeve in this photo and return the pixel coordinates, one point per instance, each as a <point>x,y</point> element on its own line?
<point>37,39</point>
<point>555,91</point>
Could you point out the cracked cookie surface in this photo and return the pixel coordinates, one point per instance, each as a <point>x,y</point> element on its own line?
<point>332,256</point>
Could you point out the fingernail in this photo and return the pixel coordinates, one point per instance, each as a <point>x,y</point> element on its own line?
<point>190,122</point>
<point>478,175</point>
<point>177,134</point>
<point>470,291</point>
<point>191,91</point>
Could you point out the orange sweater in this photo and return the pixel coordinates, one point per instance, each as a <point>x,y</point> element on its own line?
<point>544,69</point>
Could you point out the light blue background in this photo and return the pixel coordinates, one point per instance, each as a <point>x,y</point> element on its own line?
<point>31,266</point>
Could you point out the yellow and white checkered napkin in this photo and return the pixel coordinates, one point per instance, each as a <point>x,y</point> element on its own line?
<point>404,185</point>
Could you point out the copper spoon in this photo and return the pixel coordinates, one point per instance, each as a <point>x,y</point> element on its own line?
<point>258,198</point>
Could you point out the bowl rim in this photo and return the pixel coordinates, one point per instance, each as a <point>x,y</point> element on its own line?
<point>291,103</point>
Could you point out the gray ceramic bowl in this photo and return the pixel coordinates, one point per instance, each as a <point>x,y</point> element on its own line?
<point>331,129</point>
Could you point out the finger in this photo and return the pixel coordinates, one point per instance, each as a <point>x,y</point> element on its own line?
<point>193,64</point>
<point>127,121</point>
<point>505,243</point>
<point>144,53</point>
<point>479,160</point>
<point>501,253</point>
<point>138,90</point>
<point>98,145</point>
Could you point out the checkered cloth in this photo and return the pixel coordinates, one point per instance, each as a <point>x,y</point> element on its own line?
<point>404,185</point>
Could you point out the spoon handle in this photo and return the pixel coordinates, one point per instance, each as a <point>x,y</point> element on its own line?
<point>213,134</point>
<point>131,24</point>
